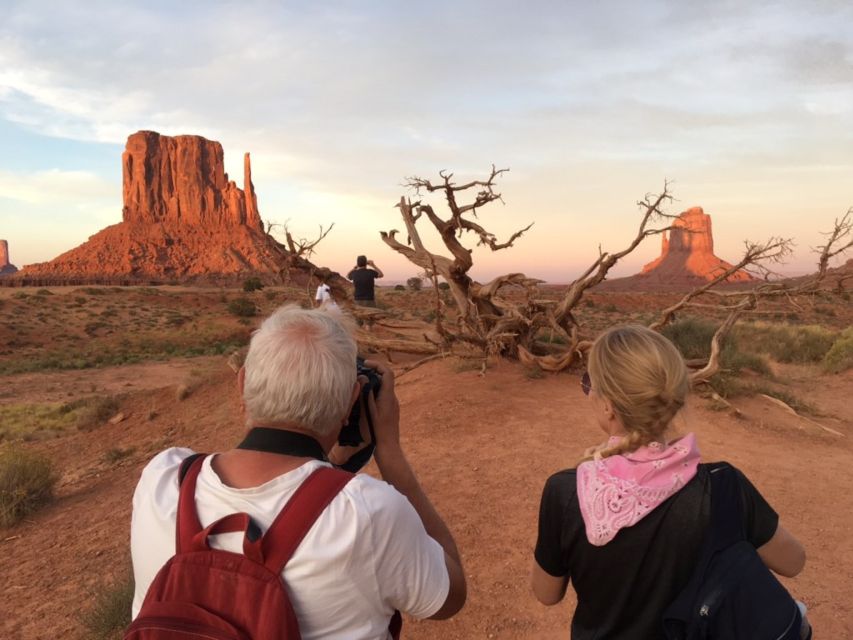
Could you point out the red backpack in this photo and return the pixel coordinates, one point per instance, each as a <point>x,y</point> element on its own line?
<point>220,595</point>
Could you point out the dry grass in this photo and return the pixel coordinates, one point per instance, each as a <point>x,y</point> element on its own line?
<point>110,611</point>
<point>27,479</point>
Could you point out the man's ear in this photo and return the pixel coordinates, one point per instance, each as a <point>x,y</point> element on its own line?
<point>356,392</point>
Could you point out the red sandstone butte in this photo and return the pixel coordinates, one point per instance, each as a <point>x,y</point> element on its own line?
<point>6,267</point>
<point>687,258</point>
<point>182,219</point>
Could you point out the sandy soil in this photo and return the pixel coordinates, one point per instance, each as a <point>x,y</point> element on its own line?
<point>483,447</point>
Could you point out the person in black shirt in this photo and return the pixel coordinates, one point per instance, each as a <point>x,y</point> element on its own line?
<point>626,526</point>
<point>362,278</point>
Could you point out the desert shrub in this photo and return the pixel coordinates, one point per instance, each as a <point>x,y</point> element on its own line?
<point>692,336</point>
<point>786,343</point>
<point>110,611</point>
<point>44,292</point>
<point>21,421</point>
<point>533,373</point>
<point>840,356</point>
<point>399,287</point>
<point>252,284</point>
<point>468,364</point>
<point>734,361</point>
<point>21,295</point>
<point>242,307</point>
<point>444,286</point>
<point>414,283</point>
<point>27,479</point>
<point>610,308</point>
<point>95,411</point>
<point>270,295</point>
<point>114,454</point>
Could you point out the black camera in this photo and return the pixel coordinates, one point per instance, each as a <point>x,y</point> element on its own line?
<point>350,435</point>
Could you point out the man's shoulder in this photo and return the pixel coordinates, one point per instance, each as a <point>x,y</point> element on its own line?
<point>376,497</point>
<point>164,463</point>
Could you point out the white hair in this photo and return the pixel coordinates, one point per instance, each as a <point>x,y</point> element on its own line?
<point>301,369</point>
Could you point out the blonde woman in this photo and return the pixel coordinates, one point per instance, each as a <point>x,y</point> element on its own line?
<point>627,525</point>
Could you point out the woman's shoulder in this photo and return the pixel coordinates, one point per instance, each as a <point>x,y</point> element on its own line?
<point>562,482</point>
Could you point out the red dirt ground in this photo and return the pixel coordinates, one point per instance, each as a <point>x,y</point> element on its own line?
<point>482,446</point>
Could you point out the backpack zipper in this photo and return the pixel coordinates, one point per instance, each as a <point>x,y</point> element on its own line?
<point>790,624</point>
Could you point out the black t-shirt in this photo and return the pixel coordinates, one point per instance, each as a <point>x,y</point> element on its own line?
<point>624,586</point>
<point>363,281</point>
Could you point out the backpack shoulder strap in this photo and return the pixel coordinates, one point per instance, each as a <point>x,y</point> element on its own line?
<point>299,515</point>
<point>188,524</point>
<point>185,466</point>
<point>726,509</point>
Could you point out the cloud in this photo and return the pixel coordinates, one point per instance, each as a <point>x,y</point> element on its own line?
<point>337,101</point>
<point>57,187</point>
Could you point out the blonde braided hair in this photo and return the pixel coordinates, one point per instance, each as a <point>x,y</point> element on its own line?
<point>644,377</point>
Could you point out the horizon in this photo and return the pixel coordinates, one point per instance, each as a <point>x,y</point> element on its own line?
<point>748,110</point>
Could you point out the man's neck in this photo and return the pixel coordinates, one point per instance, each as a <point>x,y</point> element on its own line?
<point>246,468</point>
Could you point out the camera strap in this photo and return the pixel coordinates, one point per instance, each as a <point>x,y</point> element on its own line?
<point>288,443</point>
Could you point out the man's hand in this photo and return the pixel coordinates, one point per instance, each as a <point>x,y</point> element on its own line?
<point>385,409</point>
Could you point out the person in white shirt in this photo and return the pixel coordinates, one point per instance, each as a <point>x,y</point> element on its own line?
<point>378,547</point>
<point>323,297</point>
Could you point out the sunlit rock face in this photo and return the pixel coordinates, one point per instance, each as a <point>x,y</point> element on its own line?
<point>687,253</point>
<point>182,218</point>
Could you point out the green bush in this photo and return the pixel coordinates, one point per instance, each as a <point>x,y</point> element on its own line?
<point>444,286</point>
<point>27,479</point>
<point>110,612</point>
<point>415,283</point>
<point>840,356</point>
<point>399,287</point>
<point>242,307</point>
<point>692,336</point>
<point>786,343</point>
<point>252,284</point>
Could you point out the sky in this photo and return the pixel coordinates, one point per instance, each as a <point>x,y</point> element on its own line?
<point>746,107</point>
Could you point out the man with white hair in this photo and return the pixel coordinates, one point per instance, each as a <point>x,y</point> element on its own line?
<point>376,548</point>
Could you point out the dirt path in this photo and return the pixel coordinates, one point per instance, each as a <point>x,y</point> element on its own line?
<point>483,447</point>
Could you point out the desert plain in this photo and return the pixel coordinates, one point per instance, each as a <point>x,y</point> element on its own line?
<point>101,378</point>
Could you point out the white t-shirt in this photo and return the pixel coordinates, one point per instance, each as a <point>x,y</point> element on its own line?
<point>366,555</point>
<point>324,294</point>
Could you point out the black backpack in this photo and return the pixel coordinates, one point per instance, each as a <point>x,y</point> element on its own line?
<point>732,595</point>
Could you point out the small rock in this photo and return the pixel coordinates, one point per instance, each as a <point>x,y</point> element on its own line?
<point>117,418</point>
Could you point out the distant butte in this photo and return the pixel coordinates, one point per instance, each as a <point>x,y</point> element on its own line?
<point>6,267</point>
<point>183,219</point>
<point>687,258</point>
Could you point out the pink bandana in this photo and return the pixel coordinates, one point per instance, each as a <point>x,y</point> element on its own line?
<point>619,491</point>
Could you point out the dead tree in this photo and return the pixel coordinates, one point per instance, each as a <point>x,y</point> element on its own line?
<point>294,256</point>
<point>486,319</point>
<point>562,319</point>
<point>756,258</point>
<point>483,319</point>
